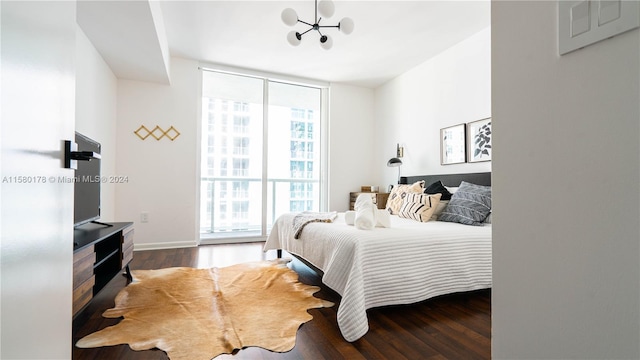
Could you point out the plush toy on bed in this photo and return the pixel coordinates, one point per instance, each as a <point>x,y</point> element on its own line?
<point>365,212</point>
<point>367,215</point>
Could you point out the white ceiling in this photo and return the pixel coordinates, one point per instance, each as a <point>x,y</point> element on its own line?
<point>390,37</point>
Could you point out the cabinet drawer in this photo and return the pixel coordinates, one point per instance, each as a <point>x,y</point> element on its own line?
<point>381,200</point>
<point>83,294</point>
<point>80,254</point>
<point>127,256</point>
<point>83,270</point>
<point>83,262</point>
<point>127,246</point>
<point>127,237</point>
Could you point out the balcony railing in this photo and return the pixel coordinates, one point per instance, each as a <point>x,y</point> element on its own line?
<point>217,221</point>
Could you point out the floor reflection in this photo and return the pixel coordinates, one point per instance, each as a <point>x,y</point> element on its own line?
<point>225,255</point>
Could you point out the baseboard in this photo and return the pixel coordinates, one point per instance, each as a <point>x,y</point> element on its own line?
<point>232,240</point>
<point>187,244</point>
<point>164,245</point>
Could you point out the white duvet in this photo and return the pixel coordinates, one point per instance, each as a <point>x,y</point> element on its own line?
<point>405,263</point>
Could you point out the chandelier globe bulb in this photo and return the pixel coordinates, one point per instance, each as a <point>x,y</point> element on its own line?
<point>327,43</point>
<point>326,8</point>
<point>294,38</point>
<point>289,17</point>
<point>346,26</point>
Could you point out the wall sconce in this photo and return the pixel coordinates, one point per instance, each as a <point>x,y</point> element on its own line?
<point>399,151</point>
<point>395,162</point>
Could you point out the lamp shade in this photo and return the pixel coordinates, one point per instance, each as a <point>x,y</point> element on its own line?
<point>292,38</point>
<point>326,8</point>
<point>346,25</point>
<point>394,162</point>
<point>327,44</point>
<point>289,16</point>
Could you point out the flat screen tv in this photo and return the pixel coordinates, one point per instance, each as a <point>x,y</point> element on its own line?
<point>87,183</point>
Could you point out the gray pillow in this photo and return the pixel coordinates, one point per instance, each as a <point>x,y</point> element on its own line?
<point>470,205</point>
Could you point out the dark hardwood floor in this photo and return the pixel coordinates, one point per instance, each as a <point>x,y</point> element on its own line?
<point>454,326</point>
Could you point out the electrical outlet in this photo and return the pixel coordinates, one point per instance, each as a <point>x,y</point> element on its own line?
<point>144,217</point>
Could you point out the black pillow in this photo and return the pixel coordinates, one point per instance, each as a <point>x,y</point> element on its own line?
<point>438,188</point>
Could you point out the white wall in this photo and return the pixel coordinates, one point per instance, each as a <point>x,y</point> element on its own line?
<point>566,175</point>
<point>452,88</point>
<point>365,125</point>
<point>352,143</point>
<point>161,173</point>
<point>96,88</point>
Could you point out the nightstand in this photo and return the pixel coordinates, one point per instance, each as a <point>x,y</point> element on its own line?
<point>379,199</point>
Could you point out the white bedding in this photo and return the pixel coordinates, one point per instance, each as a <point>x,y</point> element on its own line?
<point>405,263</point>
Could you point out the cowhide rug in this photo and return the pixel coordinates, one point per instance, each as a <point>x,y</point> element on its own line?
<point>201,313</point>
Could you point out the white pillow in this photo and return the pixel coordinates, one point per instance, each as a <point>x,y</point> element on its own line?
<point>452,189</point>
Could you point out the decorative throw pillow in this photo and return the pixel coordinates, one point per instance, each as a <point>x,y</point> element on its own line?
<point>399,192</point>
<point>470,205</point>
<point>439,209</point>
<point>419,207</point>
<point>438,188</point>
<point>488,219</point>
<point>411,210</point>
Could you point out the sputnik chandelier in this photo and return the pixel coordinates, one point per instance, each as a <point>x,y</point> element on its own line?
<point>326,9</point>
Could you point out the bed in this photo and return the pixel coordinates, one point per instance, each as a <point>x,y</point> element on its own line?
<point>408,262</point>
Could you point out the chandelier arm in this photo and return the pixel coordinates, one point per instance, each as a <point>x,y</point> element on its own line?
<point>304,22</point>
<point>329,26</point>
<point>306,32</point>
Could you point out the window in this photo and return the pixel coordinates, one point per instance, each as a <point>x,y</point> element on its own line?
<point>240,189</point>
<point>245,192</point>
<point>241,146</point>
<point>240,212</point>
<point>297,190</point>
<point>240,167</point>
<point>223,167</point>
<point>241,124</point>
<point>297,169</point>
<point>297,149</point>
<point>297,129</point>
<point>297,206</point>
<point>309,150</point>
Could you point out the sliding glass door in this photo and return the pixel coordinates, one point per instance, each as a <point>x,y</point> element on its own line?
<point>260,153</point>
<point>294,149</point>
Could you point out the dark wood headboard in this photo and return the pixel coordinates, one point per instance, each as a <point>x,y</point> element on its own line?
<point>450,179</point>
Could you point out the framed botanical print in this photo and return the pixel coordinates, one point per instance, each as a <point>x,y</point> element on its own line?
<point>479,140</point>
<point>452,145</point>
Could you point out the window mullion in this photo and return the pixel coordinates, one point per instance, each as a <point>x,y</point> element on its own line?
<point>265,153</point>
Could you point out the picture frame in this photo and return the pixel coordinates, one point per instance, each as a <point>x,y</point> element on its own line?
<point>479,140</point>
<point>453,145</point>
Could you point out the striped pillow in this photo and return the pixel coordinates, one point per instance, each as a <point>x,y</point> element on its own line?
<point>419,207</point>
<point>470,205</point>
<point>399,192</point>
